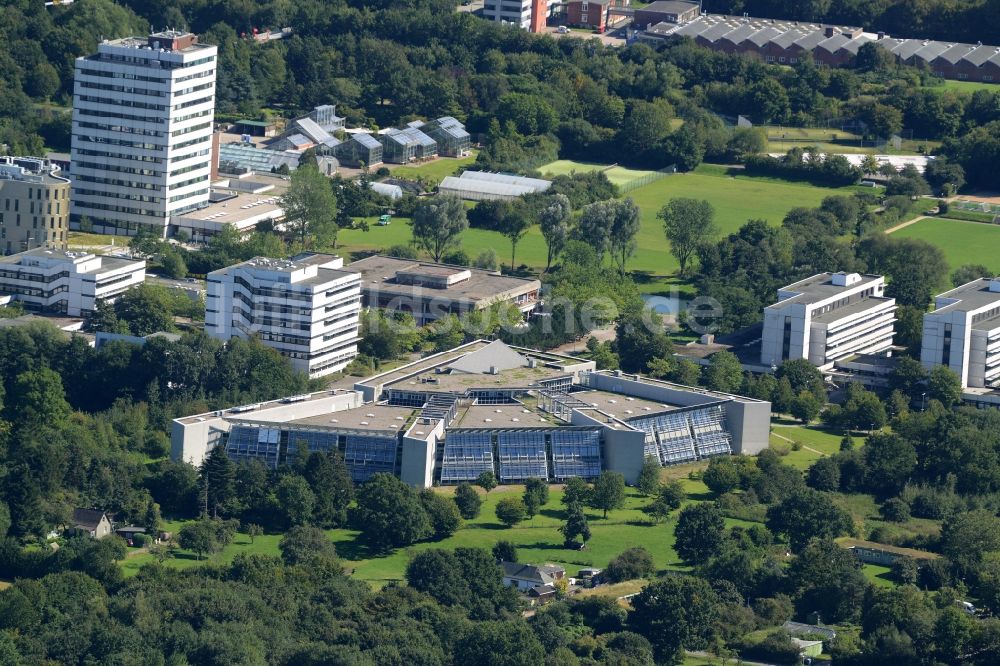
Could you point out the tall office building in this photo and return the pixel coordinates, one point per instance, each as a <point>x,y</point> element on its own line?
<point>306,308</point>
<point>828,317</point>
<point>34,205</point>
<point>142,132</point>
<point>963,333</point>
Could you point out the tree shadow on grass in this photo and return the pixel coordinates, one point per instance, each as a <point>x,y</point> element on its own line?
<point>558,514</point>
<point>542,545</point>
<point>702,497</point>
<point>358,549</point>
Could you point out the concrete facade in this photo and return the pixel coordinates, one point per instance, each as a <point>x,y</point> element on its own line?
<point>143,109</point>
<point>485,406</point>
<point>828,317</point>
<point>67,283</point>
<point>306,308</point>
<point>963,333</point>
<point>34,205</point>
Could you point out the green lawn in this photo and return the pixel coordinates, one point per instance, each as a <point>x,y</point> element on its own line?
<point>962,242</point>
<point>966,86</point>
<point>616,174</point>
<point>813,438</point>
<point>434,172</point>
<point>878,575</point>
<point>537,539</point>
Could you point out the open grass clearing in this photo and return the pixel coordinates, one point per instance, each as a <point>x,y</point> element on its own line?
<point>965,86</point>
<point>618,175</point>
<point>878,575</point>
<point>435,171</point>
<point>961,242</point>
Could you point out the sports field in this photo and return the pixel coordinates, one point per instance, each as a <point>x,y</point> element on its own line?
<point>736,199</point>
<point>620,176</point>
<point>962,242</point>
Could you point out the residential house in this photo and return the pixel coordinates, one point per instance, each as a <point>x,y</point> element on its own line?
<point>92,522</point>
<point>529,577</point>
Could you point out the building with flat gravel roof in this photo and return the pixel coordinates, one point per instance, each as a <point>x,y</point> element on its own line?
<point>487,406</point>
<point>828,317</point>
<point>963,333</point>
<point>431,291</point>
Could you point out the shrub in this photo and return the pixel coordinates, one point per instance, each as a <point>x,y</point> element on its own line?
<point>630,564</point>
<point>895,510</point>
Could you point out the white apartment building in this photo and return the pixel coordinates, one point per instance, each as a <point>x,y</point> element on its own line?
<point>963,333</point>
<point>143,109</point>
<point>307,308</point>
<point>828,317</point>
<point>67,283</point>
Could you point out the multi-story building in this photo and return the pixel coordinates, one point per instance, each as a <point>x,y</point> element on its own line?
<point>827,318</point>
<point>306,308</point>
<point>68,283</point>
<point>528,15</point>
<point>431,291</point>
<point>34,205</point>
<point>485,406</point>
<point>963,333</point>
<point>588,13</point>
<point>143,109</point>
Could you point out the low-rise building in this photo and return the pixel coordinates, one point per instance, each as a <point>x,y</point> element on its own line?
<point>482,186</point>
<point>486,406</point>
<point>91,522</point>
<point>34,205</point>
<point>306,308</point>
<point>588,13</point>
<point>963,333</point>
<point>670,11</point>
<point>359,149</point>
<point>431,291</point>
<point>450,135</point>
<point>528,578</point>
<point>828,317</point>
<point>67,283</point>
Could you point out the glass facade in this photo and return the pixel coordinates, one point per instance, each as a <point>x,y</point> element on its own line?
<point>576,453</point>
<point>522,455</point>
<point>711,436</point>
<point>368,455</point>
<point>248,443</point>
<point>466,456</point>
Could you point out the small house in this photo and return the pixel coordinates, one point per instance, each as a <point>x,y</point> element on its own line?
<point>92,522</point>
<point>527,577</point>
<point>871,552</point>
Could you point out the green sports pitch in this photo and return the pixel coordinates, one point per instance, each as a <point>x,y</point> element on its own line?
<point>962,242</point>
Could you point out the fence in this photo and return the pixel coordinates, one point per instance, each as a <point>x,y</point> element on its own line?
<point>977,207</point>
<point>642,181</point>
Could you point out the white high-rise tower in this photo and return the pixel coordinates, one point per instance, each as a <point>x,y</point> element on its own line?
<point>142,132</point>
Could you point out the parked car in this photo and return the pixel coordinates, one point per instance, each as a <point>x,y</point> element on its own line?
<point>562,30</point>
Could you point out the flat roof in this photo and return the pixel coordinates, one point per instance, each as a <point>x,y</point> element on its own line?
<point>365,417</point>
<point>323,274</point>
<point>379,272</point>
<point>622,406</point>
<point>819,287</point>
<point>505,416</point>
<point>523,377</point>
<point>670,6</point>
<point>974,295</point>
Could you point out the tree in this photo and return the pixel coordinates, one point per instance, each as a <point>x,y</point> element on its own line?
<point>331,485</point>
<point>536,493</point>
<point>468,500</point>
<point>724,372</point>
<point>675,612</point>
<point>824,474</point>
<point>967,273</point>
<point>623,231</point>
<point>699,532</point>
<point>944,385</point>
<point>513,226</point>
<point>253,531</point>
<point>827,579</point>
<point>808,514</point>
<point>487,481</point>
<point>670,498</point>
<point>805,407</point>
<point>218,479</point>
<point>511,511</point>
<point>648,482</point>
<point>438,223</point>
<point>554,220</point>
<point>687,224</point>
<point>632,563</point>
<point>890,461</point>
<point>295,500</point>
<point>610,226</point>
<point>37,398</point>
<point>504,551</point>
<point>442,511</point>
<point>907,376</point>
<point>895,510</point>
<point>944,176</point>
<point>145,309</point>
<point>863,410</point>
<point>311,207</point>
<point>509,643</point>
<point>576,491</point>
<point>608,492</point>
<point>575,526</point>
<point>200,537</point>
<point>966,537</point>
<point>722,475</point>
<point>389,512</point>
<point>304,544</point>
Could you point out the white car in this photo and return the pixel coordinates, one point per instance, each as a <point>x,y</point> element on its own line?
<point>562,30</point>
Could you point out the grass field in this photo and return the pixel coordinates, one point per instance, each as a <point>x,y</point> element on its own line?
<point>966,86</point>
<point>833,140</point>
<point>878,575</point>
<point>537,539</point>
<point>961,242</point>
<point>434,172</point>
<point>617,174</point>
<point>813,438</point>
<point>736,198</point>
